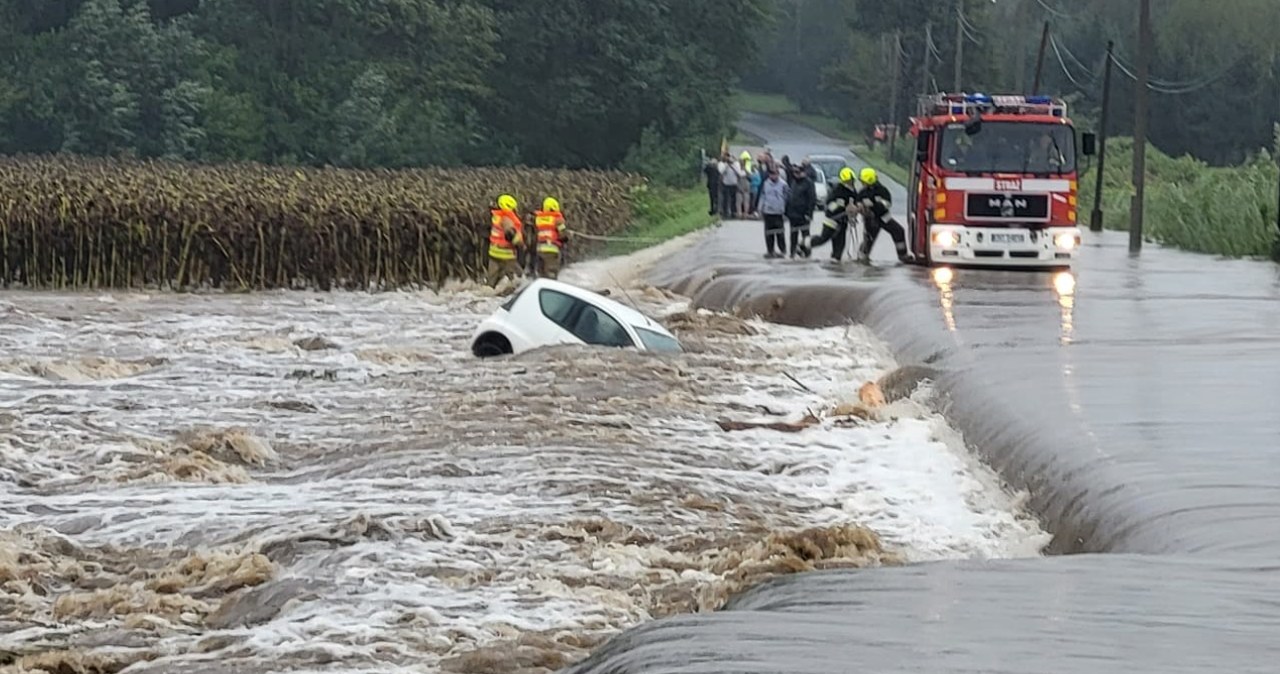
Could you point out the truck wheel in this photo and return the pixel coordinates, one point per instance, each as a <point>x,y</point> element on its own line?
<point>491,344</point>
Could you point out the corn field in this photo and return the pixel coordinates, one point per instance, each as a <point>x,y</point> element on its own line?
<point>76,222</point>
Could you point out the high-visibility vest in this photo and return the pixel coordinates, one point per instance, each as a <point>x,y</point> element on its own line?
<point>500,248</point>
<point>550,224</point>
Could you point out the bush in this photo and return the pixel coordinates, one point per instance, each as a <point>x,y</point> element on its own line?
<point>1189,204</point>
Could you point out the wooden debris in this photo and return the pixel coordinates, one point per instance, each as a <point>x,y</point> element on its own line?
<point>782,426</point>
<point>853,410</point>
<point>798,382</point>
<point>871,395</point>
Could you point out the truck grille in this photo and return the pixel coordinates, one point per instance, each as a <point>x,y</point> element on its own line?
<point>994,206</point>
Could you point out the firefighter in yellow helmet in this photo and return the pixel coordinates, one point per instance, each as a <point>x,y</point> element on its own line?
<point>835,224</point>
<point>551,238</point>
<point>506,237</point>
<point>874,202</point>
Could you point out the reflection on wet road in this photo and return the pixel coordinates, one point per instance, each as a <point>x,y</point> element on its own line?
<point>1135,399</point>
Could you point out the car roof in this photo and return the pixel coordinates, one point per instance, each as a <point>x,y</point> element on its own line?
<point>618,309</point>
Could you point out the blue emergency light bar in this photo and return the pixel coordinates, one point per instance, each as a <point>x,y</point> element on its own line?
<point>963,104</point>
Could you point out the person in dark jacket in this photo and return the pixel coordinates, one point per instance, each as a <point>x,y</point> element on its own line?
<point>712,172</point>
<point>874,201</point>
<point>837,212</point>
<point>800,207</point>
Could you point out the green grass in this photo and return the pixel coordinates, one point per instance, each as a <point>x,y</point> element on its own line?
<point>878,158</point>
<point>741,137</point>
<point>663,213</point>
<point>1229,211</point>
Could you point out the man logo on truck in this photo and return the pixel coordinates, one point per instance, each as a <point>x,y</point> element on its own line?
<point>1006,205</point>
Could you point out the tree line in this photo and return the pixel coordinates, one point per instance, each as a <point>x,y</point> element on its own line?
<point>1215,88</point>
<point>637,84</point>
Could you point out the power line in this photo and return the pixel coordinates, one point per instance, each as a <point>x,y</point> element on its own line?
<point>1053,41</point>
<point>1079,64</point>
<point>1058,13</point>
<point>966,27</point>
<point>1193,83</point>
<point>1179,88</point>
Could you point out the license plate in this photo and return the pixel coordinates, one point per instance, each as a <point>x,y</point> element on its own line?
<point>1008,238</point>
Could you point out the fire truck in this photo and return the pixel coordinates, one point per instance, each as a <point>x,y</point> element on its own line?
<point>993,182</point>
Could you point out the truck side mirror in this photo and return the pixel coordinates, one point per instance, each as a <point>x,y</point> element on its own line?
<point>922,145</point>
<point>974,125</point>
<point>1088,143</point>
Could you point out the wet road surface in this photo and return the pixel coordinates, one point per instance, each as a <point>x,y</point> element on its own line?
<point>1135,399</point>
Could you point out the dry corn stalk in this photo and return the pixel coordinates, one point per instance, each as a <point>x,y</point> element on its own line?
<point>77,222</point>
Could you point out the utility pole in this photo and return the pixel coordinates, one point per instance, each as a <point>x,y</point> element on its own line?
<point>893,98</point>
<point>959,42</point>
<point>1044,40</point>
<point>1020,62</point>
<point>1140,128</point>
<point>1095,220</point>
<point>928,56</point>
<point>796,9</point>
<point>1275,146</point>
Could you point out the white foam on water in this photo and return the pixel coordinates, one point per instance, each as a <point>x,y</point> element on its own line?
<point>440,503</point>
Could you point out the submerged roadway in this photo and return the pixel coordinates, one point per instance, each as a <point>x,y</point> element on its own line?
<point>1136,400</point>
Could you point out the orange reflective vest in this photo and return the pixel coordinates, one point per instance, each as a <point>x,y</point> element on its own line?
<point>550,226</point>
<point>500,247</point>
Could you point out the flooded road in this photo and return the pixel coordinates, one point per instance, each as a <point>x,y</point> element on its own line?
<point>330,482</point>
<point>1135,401</point>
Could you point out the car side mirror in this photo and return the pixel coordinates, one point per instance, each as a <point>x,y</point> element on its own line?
<point>1088,144</point>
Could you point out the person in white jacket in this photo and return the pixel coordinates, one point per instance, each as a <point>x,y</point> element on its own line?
<point>730,172</point>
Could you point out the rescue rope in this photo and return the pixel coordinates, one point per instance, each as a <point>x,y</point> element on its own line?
<point>637,239</point>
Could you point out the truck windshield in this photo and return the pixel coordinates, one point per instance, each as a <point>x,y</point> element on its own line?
<point>1009,147</point>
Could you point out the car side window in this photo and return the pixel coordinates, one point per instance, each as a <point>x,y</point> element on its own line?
<point>596,327</point>
<point>558,307</point>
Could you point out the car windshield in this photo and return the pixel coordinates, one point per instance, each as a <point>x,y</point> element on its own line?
<point>656,341</point>
<point>1009,147</point>
<point>830,167</point>
<point>511,301</point>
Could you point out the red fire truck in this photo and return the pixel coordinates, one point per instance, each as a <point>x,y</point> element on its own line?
<point>993,182</point>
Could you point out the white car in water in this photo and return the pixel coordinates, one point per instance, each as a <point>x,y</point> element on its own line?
<point>547,312</point>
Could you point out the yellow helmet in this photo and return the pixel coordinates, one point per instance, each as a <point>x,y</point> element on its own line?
<point>846,175</point>
<point>868,175</point>
<point>550,204</point>
<point>507,202</point>
<point>745,155</point>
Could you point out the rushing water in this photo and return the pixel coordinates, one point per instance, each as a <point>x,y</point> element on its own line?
<point>299,481</point>
<point>1133,399</point>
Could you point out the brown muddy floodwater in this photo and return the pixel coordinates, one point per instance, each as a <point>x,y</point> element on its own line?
<point>306,481</point>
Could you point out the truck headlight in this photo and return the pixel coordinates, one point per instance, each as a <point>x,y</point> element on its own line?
<point>946,238</point>
<point>1065,241</point>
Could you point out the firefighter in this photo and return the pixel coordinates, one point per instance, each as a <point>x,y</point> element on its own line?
<point>835,224</point>
<point>506,236</point>
<point>551,238</point>
<point>874,202</point>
